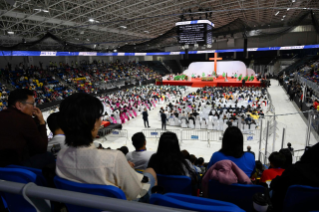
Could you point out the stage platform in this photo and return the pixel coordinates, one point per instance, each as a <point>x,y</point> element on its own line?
<point>220,81</point>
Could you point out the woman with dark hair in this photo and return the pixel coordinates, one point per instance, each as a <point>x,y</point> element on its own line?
<point>168,159</point>
<point>80,119</point>
<point>232,149</point>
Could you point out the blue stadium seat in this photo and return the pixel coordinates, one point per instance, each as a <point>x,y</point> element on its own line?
<point>41,181</point>
<point>100,190</point>
<point>17,203</point>
<point>175,183</point>
<point>301,198</point>
<point>188,202</point>
<point>238,194</point>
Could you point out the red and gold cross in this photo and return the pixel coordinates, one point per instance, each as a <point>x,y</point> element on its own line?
<point>215,58</point>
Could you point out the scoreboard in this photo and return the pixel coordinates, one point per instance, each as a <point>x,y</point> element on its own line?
<point>195,32</point>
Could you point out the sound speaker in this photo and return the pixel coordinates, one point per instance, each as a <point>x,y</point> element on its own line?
<point>245,47</point>
<point>186,54</point>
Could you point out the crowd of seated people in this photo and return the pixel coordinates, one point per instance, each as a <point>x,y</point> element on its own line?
<point>84,76</point>
<point>77,124</point>
<point>4,93</point>
<point>122,106</point>
<point>213,104</point>
<point>45,86</point>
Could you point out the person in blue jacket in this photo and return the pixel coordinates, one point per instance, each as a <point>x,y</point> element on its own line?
<point>232,149</point>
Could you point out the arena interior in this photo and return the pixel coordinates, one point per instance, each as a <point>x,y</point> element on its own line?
<point>170,105</point>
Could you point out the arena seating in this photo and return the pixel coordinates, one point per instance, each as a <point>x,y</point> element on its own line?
<point>238,194</point>
<point>301,198</point>
<point>193,203</point>
<point>101,190</point>
<point>17,202</point>
<point>175,184</point>
<point>4,93</point>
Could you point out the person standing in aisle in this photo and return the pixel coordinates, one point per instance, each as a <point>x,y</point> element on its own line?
<point>164,119</point>
<point>145,118</point>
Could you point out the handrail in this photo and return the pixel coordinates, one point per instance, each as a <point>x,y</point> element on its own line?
<point>36,196</point>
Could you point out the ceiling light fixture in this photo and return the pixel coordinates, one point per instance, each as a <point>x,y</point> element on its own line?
<point>283,16</point>
<point>146,31</point>
<point>277,13</point>
<point>288,9</point>
<point>88,39</point>
<point>293,0</point>
<point>91,20</point>
<point>11,33</point>
<point>46,11</point>
<point>124,27</point>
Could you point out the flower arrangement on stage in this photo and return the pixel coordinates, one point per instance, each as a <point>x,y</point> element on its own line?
<point>181,77</point>
<point>240,77</point>
<point>251,78</point>
<point>207,78</point>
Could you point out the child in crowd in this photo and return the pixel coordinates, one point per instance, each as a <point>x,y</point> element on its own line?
<point>276,160</point>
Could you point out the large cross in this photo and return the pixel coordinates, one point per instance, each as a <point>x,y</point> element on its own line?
<point>215,58</point>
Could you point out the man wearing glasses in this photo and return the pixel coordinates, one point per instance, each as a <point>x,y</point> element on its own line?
<point>23,139</point>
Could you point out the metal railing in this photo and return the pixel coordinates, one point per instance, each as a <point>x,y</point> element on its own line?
<point>187,134</point>
<point>113,134</point>
<point>37,196</point>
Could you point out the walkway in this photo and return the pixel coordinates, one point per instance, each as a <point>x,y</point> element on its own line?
<point>295,126</point>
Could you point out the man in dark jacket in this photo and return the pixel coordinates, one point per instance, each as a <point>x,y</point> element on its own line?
<point>23,140</point>
<point>145,118</point>
<point>164,119</point>
<point>304,172</point>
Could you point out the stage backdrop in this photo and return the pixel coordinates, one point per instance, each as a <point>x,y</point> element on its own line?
<point>228,67</point>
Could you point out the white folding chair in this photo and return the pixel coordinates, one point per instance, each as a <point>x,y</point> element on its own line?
<point>191,124</point>
<point>246,128</point>
<point>197,124</point>
<point>224,126</point>
<point>184,125</point>
<point>210,125</point>
<point>203,124</point>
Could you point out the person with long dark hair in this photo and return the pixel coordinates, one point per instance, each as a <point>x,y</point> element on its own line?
<point>232,149</point>
<point>168,159</point>
<point>80,119</point>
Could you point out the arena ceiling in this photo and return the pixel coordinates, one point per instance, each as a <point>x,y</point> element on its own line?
<point>108,24</point>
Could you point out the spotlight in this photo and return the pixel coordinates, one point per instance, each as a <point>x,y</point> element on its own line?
<point>115,50</point>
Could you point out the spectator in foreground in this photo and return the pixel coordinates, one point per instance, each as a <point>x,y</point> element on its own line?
<point>232,149</point>
<point>200,163</point>
<point>124,150</point>
<point>80,119</point>
<point>168,159</point>
<point>276,160</point>
<point>304,172</point>
<point>23,140</point>
<point>58,134</point>
<point>140,157</point>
